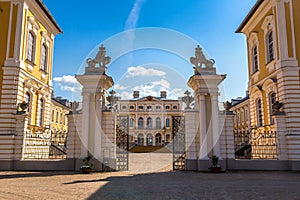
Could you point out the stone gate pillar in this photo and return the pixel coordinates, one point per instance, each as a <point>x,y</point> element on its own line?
<point>95,83</point>
<point>205,82</point>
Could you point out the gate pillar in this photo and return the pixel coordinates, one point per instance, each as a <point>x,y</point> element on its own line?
<point>95,83</point>
<point>205,82</point>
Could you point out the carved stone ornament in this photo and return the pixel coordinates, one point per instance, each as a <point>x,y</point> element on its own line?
<point>98,65</point>
<point>187,99</point>
<point>200,60</point>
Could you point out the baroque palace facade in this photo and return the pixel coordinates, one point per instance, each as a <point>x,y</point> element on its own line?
<point>150,118</point>
<point>273,42</point>
<point>26,57</point>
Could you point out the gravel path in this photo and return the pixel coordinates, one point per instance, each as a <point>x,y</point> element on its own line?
<point>163,185</point>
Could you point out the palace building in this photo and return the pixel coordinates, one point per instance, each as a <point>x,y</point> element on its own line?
<point>150,118</point>
<point>26,59</point>
<point>273,42</point>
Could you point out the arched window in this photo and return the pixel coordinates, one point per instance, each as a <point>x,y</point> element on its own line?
<point>149,139</point>
<point>30,47</point>
<point>141,123</point>
<point>255,59</point>
<point>272,100</point>
<point>141,139</point>
<point>259,113</point>
<point>158,139</point>
<point>149,122</point>
<point>44,56</point>
<point>167,122</point>
<point>270,46</point>
<point>40,112</point>
<point>167,107</point>
<point>158,123</point>
<point>131,122</point>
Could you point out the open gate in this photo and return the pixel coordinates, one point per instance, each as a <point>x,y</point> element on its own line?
<point>179,153</point>
<point>122,142</point>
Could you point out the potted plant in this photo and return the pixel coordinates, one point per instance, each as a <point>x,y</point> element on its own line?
<point>87,167</point>
<point>214,166</point>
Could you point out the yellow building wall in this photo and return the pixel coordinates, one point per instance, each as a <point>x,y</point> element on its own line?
<point>36,72</point>
<point>4,21</point>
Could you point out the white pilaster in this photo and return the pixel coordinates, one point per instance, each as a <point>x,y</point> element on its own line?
<point>85,124</point>
<point>203,151</point>
<point>215,121</point>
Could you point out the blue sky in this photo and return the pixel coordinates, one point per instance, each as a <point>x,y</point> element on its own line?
<point>87,24</point>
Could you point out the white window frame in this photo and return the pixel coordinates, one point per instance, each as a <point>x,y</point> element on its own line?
<point>253,42</point>
<point>268,26</point>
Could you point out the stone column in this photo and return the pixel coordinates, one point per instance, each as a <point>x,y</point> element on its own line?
<point>203,151</point>
<point>85,124</point>
<point>98,126</point>
<point>215,125</point>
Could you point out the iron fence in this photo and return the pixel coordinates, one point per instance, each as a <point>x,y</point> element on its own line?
<point>256,144</point>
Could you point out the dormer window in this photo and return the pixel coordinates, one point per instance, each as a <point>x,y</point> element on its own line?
<point>175,107</point>
<point>149,107</point>
<point>131,107</point>
<point>167,107</point>
<point>141,107</point>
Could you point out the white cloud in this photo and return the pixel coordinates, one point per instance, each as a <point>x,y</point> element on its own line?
<point>142,71</point>
<point>67,83</point>
<point>120,87</point>
<point>65,79</point>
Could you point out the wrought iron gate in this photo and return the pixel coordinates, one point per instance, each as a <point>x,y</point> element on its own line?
<point>179,153</point>
<point>122,142</point>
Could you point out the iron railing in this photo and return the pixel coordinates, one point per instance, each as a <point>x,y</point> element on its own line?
<point>256,144</point>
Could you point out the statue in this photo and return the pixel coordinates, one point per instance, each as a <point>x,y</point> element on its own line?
<point>187,99</point>
<point>101,60</point>
<point>200,60</point>
<point>101,57</point>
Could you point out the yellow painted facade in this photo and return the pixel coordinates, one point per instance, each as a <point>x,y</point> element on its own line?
<point>273,79</point>
<point>25,78</point>
<point>20,76</point>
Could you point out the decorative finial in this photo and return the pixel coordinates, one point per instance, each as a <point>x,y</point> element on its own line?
<point>187,99</point>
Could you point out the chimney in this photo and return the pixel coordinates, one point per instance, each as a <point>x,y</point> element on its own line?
<point>136,94</point>
<point>163,94</point>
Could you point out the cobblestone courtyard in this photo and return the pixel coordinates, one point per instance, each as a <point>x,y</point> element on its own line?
<point>163,185</point>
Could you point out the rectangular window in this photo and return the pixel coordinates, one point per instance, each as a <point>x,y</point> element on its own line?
<point>44,58</point>
<point>259,113</point>
<point>30,47</point>
<point>270,47</point>
<point>255,59</point>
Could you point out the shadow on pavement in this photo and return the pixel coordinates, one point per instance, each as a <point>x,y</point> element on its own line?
<point>193,185</point>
